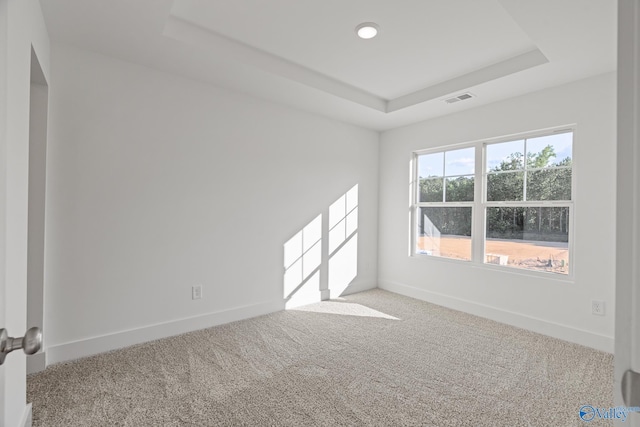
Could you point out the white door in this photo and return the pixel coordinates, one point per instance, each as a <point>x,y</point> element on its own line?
<point>22,31</point>
<point>627,337</point>
<point>3,97</point>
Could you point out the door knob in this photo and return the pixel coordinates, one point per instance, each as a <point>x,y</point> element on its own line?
<point>30,343</point>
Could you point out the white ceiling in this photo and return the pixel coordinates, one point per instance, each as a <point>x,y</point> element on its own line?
<point>305,53</point>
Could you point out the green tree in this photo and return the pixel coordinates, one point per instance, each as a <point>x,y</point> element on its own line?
<point>544,181</point>
<point>505,182</point>
<point>460,189</point>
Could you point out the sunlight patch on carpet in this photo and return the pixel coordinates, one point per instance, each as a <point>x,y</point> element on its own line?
<point>344,309</point>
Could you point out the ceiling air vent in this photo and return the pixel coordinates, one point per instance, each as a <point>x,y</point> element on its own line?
<point>462,97</point>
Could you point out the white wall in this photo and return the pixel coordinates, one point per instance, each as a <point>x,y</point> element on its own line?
<point>549,306</point>
<point>21,27</point>
<point>157,183</point>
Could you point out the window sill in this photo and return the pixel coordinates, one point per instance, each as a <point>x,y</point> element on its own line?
<point>567,279</point>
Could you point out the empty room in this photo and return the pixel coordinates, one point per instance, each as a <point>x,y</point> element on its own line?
<point>365,212</point>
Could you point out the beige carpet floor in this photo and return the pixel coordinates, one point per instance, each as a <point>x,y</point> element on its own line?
<point>374,358</point>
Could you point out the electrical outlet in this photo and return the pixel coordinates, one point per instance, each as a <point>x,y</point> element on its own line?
<point>196,292</point>
<point>597,307</point>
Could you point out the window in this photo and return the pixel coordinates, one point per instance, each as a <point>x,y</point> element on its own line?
<point>445,194</point>
<point>524,206</point>
<point>528,202</point>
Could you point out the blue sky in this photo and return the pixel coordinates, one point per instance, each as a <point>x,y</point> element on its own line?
<point>496,153</point>
<point>562,145</point>
<point>462,162</point>
<point>455,162</point>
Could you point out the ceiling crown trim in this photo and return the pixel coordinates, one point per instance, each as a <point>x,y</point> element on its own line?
<point>185,31</point>
<point>504,68</point>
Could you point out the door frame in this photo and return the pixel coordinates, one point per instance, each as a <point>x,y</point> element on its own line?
<point>627,340</point>
<point>38,136</point>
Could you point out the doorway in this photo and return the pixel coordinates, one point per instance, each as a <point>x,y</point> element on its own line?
<point>38,115</point>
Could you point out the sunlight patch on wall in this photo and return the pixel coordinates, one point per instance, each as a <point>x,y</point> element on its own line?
<point>343,242</point>
<point>307,293</point>
<point>343,218</point>
<point>302,259</point>
<point>315,271</point>
<point>343,267</point>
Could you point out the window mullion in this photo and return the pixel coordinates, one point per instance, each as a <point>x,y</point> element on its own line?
<point>414,199</point>
<point>444,175</point>
<point>524,177</point>
<point>477,228</point>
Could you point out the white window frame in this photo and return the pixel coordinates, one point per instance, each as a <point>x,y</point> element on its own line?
<point>480,203</point>
<point>416,204</point>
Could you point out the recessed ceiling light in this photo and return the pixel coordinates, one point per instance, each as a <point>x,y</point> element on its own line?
<point>367,30</point>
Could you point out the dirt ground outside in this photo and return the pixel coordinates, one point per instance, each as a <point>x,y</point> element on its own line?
<point>528,254</point>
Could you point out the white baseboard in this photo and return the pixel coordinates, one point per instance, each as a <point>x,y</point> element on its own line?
<point>90,346</point>
<point>36,363</point>
<point>27,417</point>
<point>555,330</point>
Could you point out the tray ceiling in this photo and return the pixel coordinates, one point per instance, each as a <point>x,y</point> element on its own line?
<point>307,55</point>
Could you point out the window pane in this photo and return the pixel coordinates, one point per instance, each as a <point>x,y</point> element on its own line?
<point>460,189</point>
<point>549,184</point>
<point>532,238</point>
<point>505,186</point>
<point>460,162</point>
<point>431,165</point>
<point>505,156</point>
<point>444,232</point>
<point>431,190</point>
<point>550,150</point>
